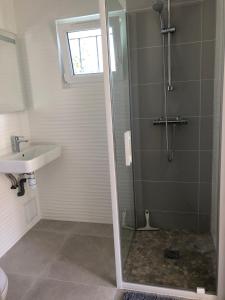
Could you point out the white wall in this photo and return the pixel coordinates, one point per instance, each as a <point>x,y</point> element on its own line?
<point>13,223</point>
<point>76,187</point>
<point>7,16</point>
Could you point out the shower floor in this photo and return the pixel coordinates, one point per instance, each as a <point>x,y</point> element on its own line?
<point>196,266</point>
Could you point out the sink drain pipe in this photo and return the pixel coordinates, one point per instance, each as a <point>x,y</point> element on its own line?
<point>20,182</point>
<point>21,187</point>
<point>13,181</point>
<point>31,179</point>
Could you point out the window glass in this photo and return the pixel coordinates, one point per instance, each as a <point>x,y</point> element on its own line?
<point>86,51</point>
<point>89,55</point>
<point>75,55</point>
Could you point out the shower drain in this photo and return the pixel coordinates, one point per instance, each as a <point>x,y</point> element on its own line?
<point>171,253</point>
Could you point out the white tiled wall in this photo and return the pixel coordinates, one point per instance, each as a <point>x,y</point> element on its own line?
<point>75,187</point>
<point>13,223</point>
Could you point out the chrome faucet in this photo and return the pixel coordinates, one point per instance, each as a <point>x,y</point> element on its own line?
<point>16,140</point>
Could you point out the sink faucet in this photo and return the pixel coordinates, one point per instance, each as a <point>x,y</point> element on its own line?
<point>16,140</point>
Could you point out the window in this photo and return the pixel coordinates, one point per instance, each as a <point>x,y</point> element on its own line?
<point>81,50</point>
<point>86,51</point>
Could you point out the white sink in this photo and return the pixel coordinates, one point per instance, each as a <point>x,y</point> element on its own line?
<point>30,159</point>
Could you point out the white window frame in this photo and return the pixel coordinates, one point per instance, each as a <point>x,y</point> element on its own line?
<point>65,56</point>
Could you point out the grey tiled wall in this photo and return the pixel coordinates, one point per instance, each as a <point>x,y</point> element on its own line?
<point>177,193</point>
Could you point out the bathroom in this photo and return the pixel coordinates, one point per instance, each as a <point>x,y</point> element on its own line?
<point>112,149</point>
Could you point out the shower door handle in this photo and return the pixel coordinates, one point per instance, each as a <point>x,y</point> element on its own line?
<point>128,148</point>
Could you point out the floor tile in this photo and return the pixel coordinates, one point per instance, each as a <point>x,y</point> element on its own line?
<point>119,295</point>
<point>32,253</point>
<point>58,290</point>
<point>63,227</point>
<point>80,228</point>
<point>85,259</point>
<point>93,229</point>
<point>18,286</point>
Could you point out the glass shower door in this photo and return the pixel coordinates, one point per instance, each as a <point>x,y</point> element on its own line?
<point>163,91</point>
<point>120,92</point>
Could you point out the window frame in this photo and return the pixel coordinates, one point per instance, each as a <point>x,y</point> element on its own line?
<point>65,54</point>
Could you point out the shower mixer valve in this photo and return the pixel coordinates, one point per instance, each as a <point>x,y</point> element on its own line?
<point>174,122</point>
<point>168,30</point>
<point>170,121</point>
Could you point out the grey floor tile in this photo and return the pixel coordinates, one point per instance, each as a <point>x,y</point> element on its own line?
<point>32,253</point>
<point>119,295</point>
<point>18,286</point>
<point>54,226</point>
<point>70,228</point>
<point>85,259</point>
<point>58,290</point>
<point>92,229</point>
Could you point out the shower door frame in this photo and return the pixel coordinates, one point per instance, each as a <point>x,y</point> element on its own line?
<point>113,181</point>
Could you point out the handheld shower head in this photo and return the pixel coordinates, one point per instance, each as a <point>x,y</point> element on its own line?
<point>158,6</point>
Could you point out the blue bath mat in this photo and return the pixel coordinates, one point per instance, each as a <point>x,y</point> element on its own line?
<point>140,296</point>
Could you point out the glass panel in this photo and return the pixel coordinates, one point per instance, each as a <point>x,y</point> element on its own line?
<point>84,34</point>
<point>112,52</point>
<point>86,51</point>
<point>75,55</point>
<point>99,40</point>
<point>89,55</point>
<point>121,121</point>
<point>164,84</point>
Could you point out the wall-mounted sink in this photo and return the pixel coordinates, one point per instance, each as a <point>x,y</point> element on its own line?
<point>30,159</point>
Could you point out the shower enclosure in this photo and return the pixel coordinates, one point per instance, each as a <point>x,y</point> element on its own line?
<point>165,104</point>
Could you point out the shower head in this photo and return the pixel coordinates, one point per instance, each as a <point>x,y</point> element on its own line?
<point>158,6</point>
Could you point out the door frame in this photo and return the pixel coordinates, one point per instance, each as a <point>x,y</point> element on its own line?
<point>111,143</point>
<point>113,180</point>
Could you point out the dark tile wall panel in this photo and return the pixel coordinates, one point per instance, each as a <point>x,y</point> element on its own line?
<point>178,194</point>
